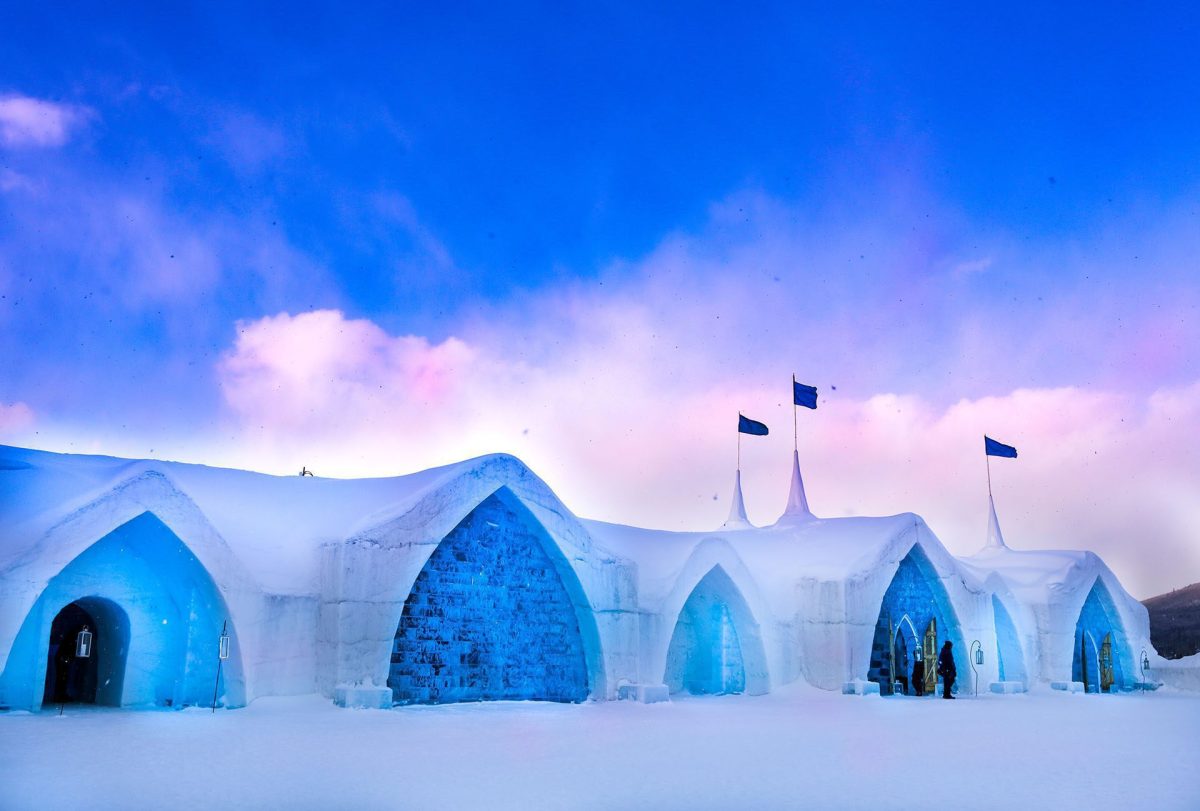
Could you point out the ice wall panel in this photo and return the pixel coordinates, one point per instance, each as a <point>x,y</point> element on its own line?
<point>488,619</point>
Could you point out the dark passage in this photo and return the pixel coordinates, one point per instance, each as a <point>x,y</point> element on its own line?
<point>70,679</point>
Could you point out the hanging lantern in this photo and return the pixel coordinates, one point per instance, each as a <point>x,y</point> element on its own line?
<point>223,647</point>
<point>1145,662</point>
<point>919,653</point>
<point>979,656</point>
<point>83,644</point>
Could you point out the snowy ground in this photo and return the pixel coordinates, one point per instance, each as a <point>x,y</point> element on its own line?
<point>798,748</point>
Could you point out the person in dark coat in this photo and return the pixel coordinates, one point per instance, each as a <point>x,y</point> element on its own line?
<point>946,669</point>
<point>918,677</point>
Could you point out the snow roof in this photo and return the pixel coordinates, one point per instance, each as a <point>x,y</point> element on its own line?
<point>1041,576</point>
<point>823,549</point>
<point>274,524</point>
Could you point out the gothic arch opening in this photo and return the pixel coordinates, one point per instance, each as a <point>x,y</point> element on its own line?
<point>1101,659</point>
<point>915,599</point>
<point>156,615</point>
<point>1009,656</point>
<point>715,647</point>
<point>495,614</point>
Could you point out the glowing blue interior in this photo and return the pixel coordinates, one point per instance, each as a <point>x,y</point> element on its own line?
<point>489,618</point>
<point>1008,645</point>
<point>157,615</point>
<point>705,652</point>
<point>913,598</point>
<point>1097,619</point>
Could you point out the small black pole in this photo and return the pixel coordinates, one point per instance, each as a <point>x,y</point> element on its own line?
<point>217,683</point>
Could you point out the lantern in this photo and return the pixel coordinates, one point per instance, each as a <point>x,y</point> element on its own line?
<point>1145,662</point>
<point>83,644</point>
<point>979,656</point>
<point>223,645</point>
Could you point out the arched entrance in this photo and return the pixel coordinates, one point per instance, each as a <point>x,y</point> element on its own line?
<point>156,616</point>
<point>489,617</point>
<point>916,614</point>
<point>714,642</point>
<point>1101,655</point>
<point>98,677</point>
<point>1009,656</point>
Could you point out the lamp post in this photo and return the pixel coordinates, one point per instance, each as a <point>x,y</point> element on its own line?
<point>222,655</point>
<point>976,659</point>
<point>1145,666</point>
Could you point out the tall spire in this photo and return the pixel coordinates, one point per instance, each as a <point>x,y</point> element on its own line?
<point>797,503</point>
<point>737,510</point>
<point>995,540</point>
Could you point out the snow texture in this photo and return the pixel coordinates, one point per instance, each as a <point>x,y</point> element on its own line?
<point>798,748</point>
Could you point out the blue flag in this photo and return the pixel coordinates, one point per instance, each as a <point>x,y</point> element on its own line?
<point>749,426</point>
<point>803,395</point>
<point>993,448</point>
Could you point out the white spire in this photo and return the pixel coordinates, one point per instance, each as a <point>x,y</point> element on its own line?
<point>995,540</point>
<point>737,510</point>
<point>797,503</point>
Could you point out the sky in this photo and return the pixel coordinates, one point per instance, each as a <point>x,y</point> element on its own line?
<point>368,242</point>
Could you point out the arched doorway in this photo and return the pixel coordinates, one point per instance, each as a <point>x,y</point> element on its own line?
<point>489,617</point>
<point>98,677</point>
<point>1101,656</point>
<point>917,608</point>
<point>714,642</point>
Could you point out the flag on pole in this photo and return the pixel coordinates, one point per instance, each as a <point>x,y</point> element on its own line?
<point>993,448</point>
<point>803,395</point>
<point>752,427</point>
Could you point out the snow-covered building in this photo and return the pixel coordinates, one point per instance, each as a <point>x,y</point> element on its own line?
<point>474,582</point>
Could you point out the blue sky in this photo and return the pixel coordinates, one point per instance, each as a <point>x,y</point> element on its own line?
<point>533,229</point>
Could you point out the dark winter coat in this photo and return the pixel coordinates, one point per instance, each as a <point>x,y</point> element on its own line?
<point>946,667</point>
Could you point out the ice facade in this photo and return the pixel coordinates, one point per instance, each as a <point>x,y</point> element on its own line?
<point>488,619</point>
<point>705,655</point>
<point>474,582</point>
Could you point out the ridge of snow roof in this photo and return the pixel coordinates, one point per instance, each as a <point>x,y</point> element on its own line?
<point>1033,573</point>
<point>822,547</point>
<point>779,557</point>
<point>274,523</point>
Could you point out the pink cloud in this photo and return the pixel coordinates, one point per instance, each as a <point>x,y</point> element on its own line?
<point>26,121</point>
<point>317,370</point>
<point>622,438</point>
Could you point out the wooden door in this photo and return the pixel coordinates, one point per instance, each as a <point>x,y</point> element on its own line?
<point>931,658</point>
<point>1106,664</point>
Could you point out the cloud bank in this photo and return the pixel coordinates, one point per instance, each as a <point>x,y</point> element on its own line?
<point>1104,470</point>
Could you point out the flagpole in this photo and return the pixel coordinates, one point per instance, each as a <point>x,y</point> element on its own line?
<point>987,460</point>
<point>795,439</point>
<point>739,434</point>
